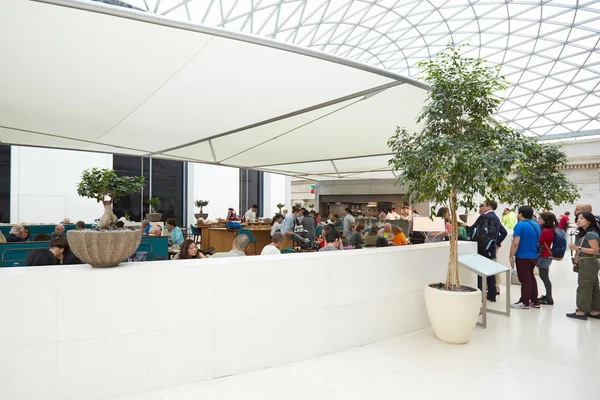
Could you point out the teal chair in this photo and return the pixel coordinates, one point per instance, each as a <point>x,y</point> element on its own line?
<point>196,233</point>
<point>318,231</point>
<point>248,233</point>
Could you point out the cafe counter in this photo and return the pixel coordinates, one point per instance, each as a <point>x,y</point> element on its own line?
<point>222,239</point>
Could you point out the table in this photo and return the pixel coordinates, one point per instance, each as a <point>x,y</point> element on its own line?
<point>222,239</point>
<point>485,267</point>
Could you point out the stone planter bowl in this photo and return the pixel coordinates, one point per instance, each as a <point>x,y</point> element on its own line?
<point>154,217</point>
<point>204,216</point>
<point>104,249</point>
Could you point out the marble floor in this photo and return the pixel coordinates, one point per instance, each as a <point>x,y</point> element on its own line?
<point>534,354</point>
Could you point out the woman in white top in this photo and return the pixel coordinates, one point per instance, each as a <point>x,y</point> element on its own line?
<point>273,247</point>
<point>276,223</point>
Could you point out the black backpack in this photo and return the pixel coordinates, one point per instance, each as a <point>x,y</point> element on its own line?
<point>485,234</point>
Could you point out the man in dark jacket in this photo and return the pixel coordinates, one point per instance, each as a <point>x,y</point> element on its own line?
<point>487,245</point>
<point>17,234</point>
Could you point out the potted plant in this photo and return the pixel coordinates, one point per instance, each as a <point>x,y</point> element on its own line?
<point>298,205</point>
<point>311,206</point>
<point>201,204</point>
<point>280,207</point>
<point>462,154</point>
<point>153,203</point>
<point>105,247</point>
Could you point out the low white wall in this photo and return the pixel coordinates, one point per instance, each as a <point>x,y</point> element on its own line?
<point>74,332</point>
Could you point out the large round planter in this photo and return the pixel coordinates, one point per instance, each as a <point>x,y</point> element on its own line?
<point>103,249</point>
<point>453,315</point>
<point>204,216</point>
<point>154,217</point>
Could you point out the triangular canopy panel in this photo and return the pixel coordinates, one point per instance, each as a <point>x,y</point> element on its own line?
<point>86,76</point>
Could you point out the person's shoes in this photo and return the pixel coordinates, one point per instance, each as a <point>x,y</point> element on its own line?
<point>520,306</point>
<point>575,316</point>
<point>535,305</point>
<point>597,316</point>
<point>546,301</point>
<point>492,299</point>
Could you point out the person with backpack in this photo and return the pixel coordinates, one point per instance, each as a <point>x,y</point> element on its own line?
<point>587,248</point>
<point>489,233</point>
<point>524,254</point>
<point>546,222</point>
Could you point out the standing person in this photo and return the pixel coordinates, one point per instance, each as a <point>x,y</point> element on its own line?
<point>310,226</point>
<point>250,216</point>
<point>545,259</point>
<point>276,223</point>
<point>579,208</point>
<point>393,214</point>
<point>563,224</point>
<point>524,254</point>
<point>509,220</point>
<point>288,229</point>
<point>346,223</point>
<point>382,214</point>
<point>415,214</point>
<point>588,266</point>
<point>489,234</point>
<point>316,217</point>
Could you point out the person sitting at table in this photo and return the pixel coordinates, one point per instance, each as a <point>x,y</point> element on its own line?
<point>145,227</point>
<point>59,232</point>
<point>273,247</point>
<point>386,232</point>
<point>250,215</point>
<point>276,223</point>
<point>41,237</point>
<point>381,242</point>
<point>26,234</point>
<point>316,217</point>
<point>66,221</point>
<point>155,230</point>
<point>356,239</point>
<point>80,225</point>
<point>370,239</point>
<point>399,237</point>
<point>173,232</point>
<point>188,251</point>
<point>324,231</point>
<point>40,257</point>
<point>240,244</point>
<point>62,251</point>
<point>2,238</point>
<point>332,241</point>
<point>17,234</point>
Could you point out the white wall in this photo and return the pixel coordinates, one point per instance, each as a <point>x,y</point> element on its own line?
<point>73,332</point>
<point>274,193</point>
<point>44,185</point>
<point>219,185</point>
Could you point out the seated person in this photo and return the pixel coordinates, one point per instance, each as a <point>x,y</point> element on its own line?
<point>2,238</point>
<point>39,257</point>
<point>273,247</point>
<point>155,230</point>
<point>80,225</point>
<point>17,234</point>
<point>332,241</point>
<point>240,244</point>
<point>386,232</point>
<point>356,239</point>
<point>324,231</point>
<point>462,231</point>
<point>62,251</point>
<point>173,232</point>
<point>145,227</point>
<point>399,237</point>
<point>189,250</point>
<point>41,237</point>
<point>66,221</point>
<point>26,234</point>
<point>59,232</point>
<point>381,242</point>
<point>370,238</point>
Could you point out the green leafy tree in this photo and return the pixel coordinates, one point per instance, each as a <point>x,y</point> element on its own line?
<point>154,203</point>
<point>462,153</point>
<point>104,185</point>
<point>280,207</point>
<point>201,204</point>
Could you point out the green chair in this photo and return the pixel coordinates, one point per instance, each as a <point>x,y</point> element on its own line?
<point>196,233</point>
<point>248,233</point>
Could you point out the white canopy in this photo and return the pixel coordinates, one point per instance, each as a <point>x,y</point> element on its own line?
<point>86,76</point>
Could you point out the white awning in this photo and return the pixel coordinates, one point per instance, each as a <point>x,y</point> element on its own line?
<point>86,76</point>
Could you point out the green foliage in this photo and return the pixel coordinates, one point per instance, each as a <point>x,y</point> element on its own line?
<point>311,206</point>
<point>153,202</point>
<point>106,185</point>
<point>298,205</point>
<point>462,152</point>
<point>201,204</point>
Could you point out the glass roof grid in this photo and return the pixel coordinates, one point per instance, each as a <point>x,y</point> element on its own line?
<point>549,48</point>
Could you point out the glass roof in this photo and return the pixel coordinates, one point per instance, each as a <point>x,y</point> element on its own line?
<point>549,50</point>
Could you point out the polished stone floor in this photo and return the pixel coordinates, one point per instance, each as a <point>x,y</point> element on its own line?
<point>534,354</point>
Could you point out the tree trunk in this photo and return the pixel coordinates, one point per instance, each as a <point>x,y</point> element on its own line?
<point>452,280</point>
<point>109,218</point>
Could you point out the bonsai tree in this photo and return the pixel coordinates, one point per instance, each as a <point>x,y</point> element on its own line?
<point>311,206</point>
<point>154,203</point>
<point>462,152</point>
<point>200,204</point>
<point>280,207</point>
<point>298,205</point>
<point>104,185</point>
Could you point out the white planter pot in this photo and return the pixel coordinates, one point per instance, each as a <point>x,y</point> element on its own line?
<point>453,315</point>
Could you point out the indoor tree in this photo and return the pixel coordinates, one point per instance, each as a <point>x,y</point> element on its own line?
<point>462,153</point>
<point>201,204</point>
<point>153,203</point>
<point>280,207</point>
<point>104,185</point>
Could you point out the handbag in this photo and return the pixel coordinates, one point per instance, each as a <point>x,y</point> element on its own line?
<point>514,278</point>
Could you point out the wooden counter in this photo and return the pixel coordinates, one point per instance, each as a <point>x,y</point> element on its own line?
<point>222,239</point>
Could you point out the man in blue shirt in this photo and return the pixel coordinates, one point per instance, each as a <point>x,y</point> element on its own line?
<point>524,253</point>
<point>489,218</point>
<point>288,226</point>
